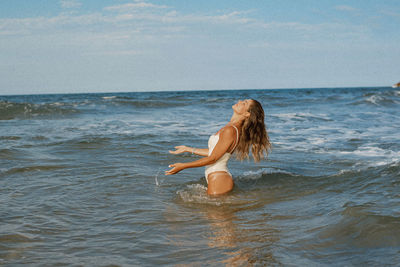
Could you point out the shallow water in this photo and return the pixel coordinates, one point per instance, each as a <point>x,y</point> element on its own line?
<point>81,180</point>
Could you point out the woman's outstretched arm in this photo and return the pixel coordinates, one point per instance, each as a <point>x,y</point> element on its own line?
<point>198,151</point>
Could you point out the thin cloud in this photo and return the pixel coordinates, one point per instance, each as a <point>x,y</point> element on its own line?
<point>345,8</point>
<point>235,17</point>
<point>260,45</point>
<point>115,53</point>
<point>131,6</point>
<point>391,13</point>
<point>67,4</point>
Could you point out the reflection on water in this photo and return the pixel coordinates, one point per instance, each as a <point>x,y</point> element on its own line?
<point>233,238</point>
<point>224,235</point>
<point>242,245</point>
<point>14,246</point>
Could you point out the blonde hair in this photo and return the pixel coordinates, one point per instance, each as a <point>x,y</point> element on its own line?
<point>254,135</point>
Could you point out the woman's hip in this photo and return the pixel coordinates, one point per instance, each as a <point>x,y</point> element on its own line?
<point>219,182</point>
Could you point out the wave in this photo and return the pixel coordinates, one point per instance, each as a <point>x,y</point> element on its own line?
<point>12,110</point>
<point>359,226</point>
<point>143,101</point>
<point>10,138</point>
<point>369,216</point>
<point>18,170</point>
<point>84,142</point>
<point>391,168</point>
<point>137,103</point>
<point>385,98</point>
<point>18,238</point>
<point>9,153</point>
<point>373,151</point>
<point>196,194</point>
<point>243,193</point>
<point>170,99</point>
<point>301,116</point>
<point>387,169</point>
<point>109,97</point>
<point>264,173</point>
<point>360,180</point>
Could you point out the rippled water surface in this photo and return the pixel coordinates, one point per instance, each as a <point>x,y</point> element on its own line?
<point>81,180</point>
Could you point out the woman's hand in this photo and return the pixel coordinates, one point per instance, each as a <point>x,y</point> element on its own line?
<point>179,150</point>
<point>177,167</point>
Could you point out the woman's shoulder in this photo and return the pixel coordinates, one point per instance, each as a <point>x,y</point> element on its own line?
<point>228,130</point>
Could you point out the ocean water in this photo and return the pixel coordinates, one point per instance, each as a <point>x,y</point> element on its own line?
<point>82,180</point>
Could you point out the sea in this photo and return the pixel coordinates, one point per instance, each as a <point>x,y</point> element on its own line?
<point>82,180</point>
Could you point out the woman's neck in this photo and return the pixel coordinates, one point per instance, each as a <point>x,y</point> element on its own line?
<point>237,120</point>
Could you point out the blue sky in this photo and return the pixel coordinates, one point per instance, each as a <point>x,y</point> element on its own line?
<point>74,46</point>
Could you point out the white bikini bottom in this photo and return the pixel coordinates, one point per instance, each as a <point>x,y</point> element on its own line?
<point>213,168</point>
<point>219,166</point>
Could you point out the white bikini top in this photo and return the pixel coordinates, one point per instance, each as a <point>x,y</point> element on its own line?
<point>213,140</point>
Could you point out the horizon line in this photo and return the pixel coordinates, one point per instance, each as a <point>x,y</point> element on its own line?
<point>196,90</point>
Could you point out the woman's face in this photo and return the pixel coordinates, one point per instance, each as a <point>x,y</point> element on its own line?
<point>242,106</point>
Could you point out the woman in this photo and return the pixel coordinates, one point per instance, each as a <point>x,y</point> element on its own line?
<point>246,128</point>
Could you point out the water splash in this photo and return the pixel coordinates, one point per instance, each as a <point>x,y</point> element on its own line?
<point>156,177</point>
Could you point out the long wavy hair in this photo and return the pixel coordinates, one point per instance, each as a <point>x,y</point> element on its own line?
<point>254,135</point>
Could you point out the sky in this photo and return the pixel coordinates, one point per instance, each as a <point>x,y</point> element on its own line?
<point>74,46</point>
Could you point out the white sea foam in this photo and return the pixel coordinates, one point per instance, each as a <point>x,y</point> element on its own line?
<point>364,165</point>
<point>372,156</point>
<point>196,193</point>
<point>57,104</point>
<point>109,97</point>
<point>254,175</point>
<point>301,116</point>
<point>371,151</point>
<point>374,99</point>
<point>317,140</point>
